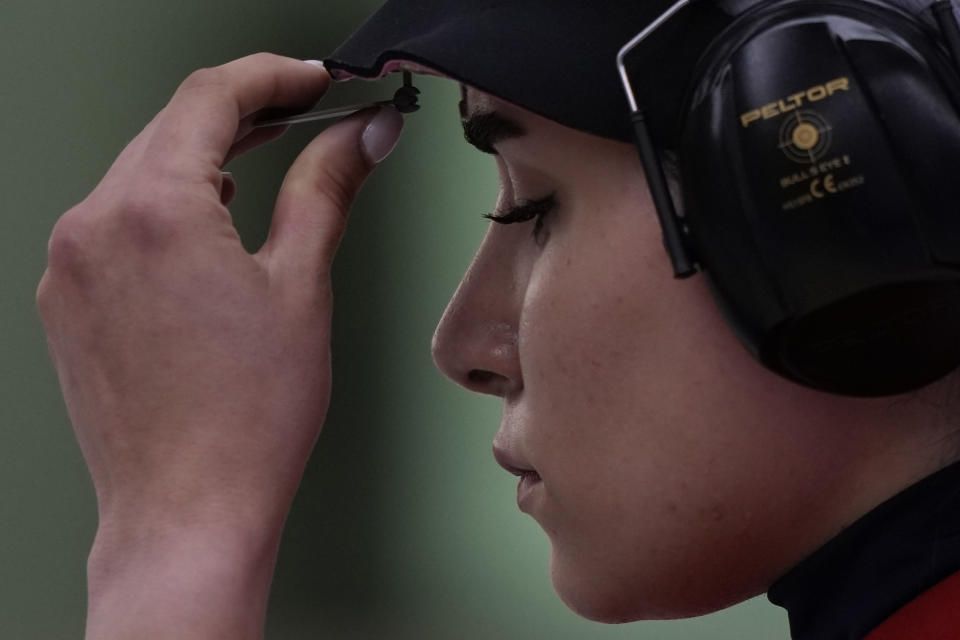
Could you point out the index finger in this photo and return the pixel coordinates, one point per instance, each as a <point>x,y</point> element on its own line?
<point>198,126</point>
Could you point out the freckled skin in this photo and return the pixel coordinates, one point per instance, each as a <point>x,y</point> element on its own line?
<point>679,476</point>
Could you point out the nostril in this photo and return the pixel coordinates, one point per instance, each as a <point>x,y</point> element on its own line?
<point>484,381</point>
<point>481,376</point>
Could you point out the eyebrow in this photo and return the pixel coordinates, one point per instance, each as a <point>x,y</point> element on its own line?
<point>486,129</point>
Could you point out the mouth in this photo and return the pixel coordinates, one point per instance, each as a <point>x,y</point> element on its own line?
<point>529,478</point>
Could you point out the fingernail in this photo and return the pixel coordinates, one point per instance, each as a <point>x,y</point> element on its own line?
<point>316,63</point>
<point>381,134</point>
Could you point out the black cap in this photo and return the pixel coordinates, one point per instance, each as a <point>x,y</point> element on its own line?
<point>556,58</point>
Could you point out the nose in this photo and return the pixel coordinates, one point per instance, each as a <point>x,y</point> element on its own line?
<point>475,344</point>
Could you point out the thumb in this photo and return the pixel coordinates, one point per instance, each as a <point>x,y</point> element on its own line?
<point>313,205</point>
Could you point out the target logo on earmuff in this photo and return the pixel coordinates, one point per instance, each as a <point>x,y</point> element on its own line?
<point>805,136</point>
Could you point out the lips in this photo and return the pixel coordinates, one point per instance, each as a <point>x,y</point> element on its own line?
<point>529,478</point>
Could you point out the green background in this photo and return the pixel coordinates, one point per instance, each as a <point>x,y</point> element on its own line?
<point>404,526</point>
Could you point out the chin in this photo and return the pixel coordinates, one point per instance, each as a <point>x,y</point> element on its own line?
<point>616,599</point>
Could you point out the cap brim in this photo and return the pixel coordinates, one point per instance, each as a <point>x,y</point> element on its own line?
<point>556,59</point>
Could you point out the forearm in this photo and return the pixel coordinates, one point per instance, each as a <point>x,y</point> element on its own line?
<point>188,584</point>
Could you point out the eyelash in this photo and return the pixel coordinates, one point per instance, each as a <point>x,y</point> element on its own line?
<point>526,211</point>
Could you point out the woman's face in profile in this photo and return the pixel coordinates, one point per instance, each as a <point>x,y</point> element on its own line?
<point>673,475</point>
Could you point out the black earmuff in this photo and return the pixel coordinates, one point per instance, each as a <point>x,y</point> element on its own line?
<point>816,150</point>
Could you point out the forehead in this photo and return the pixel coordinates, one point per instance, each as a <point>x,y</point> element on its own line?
<point>474,101</point>
<point>545,144</point>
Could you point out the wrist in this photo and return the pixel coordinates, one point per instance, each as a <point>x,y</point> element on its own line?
<point>209,581</point>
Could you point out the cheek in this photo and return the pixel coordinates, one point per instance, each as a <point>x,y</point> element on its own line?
<point>629,419</point>
<point>589,322</point>
<point>587,326</point>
